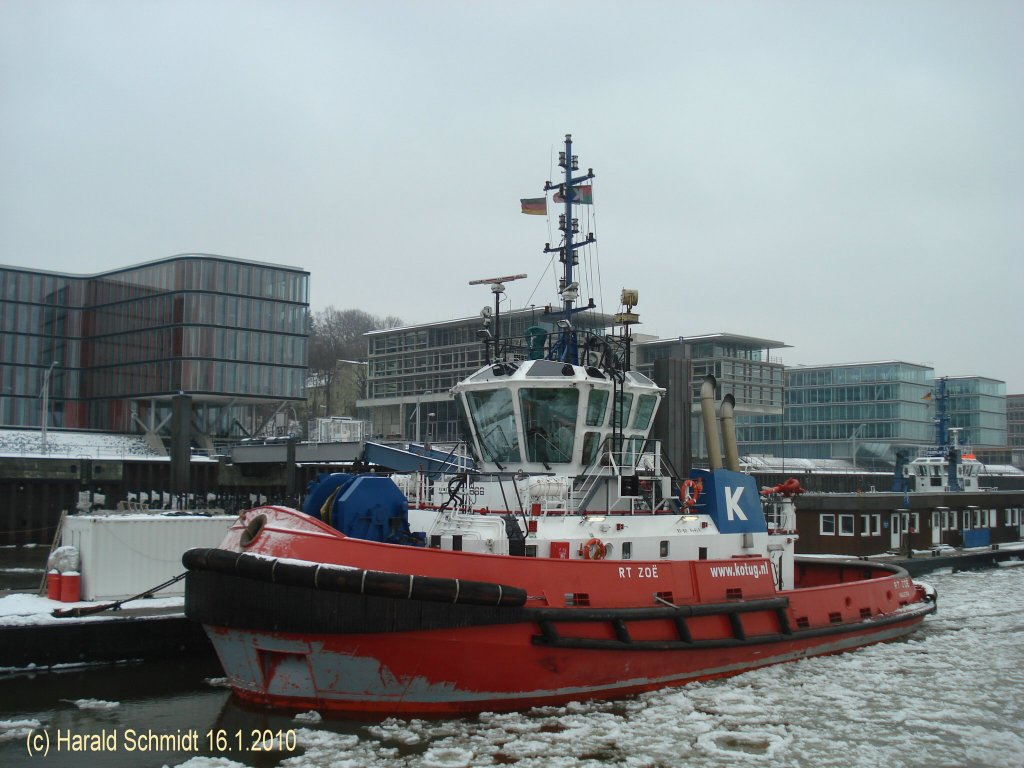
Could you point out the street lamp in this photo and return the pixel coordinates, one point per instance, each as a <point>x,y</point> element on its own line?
<point>46,402</point>
<point>853,445</point>
<point>419,399</point>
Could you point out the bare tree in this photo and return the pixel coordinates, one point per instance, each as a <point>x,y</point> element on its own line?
<point>338,334</point>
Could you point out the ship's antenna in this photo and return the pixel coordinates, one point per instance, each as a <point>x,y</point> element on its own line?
<point>566,348</point>
<point>497,288</point>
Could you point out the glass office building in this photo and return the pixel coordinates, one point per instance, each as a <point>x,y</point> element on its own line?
<point>1015,428</point>
<point>743,366</point>
<point>978,407</point>
<point>411,369</point>
<point>859,412</point>
<point>114,348</point>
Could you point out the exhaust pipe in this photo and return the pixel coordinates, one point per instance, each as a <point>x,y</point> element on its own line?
<point>707,411</point>
<point>732,454</point>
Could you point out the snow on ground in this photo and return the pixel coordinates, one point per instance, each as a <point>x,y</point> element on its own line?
<point>21,608</point>
<point>948,696</point>
<point>59,444</point>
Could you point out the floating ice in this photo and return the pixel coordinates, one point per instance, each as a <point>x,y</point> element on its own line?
<point>211,762</point>
<point>93,703</point>
<point>307,717</point>
<point>448,757</point>
<point>17,730</point>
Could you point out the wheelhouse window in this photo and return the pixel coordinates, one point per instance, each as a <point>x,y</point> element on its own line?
<point>597,405</point>
<point>591,444</point>
<point>620,412</point>
<point>549,422</point>
<point>828,525</point>
<point>645,405</point>
<point>846,525</point>
<point>632,448</point>
<point>491,411</point>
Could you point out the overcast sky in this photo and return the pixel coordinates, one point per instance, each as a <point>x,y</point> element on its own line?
<point>844,177</point>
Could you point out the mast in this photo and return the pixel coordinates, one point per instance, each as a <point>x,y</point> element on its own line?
<point>566,348</point>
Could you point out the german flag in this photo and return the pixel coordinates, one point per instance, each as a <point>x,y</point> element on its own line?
<point>534,206</point>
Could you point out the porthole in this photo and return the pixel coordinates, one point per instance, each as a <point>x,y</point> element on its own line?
<point>252,530</point>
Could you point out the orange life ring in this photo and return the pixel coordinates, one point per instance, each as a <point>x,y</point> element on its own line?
<point>689,491</point>
<point>594,550</point>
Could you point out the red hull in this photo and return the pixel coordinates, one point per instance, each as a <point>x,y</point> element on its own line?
<point>584,629</point>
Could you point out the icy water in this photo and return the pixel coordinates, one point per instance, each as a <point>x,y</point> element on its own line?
<point>951,696</point>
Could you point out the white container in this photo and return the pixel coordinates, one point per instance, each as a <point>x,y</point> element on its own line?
<point>123,555</point>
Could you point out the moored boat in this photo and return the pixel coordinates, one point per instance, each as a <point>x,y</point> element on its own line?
<point>574,564</point>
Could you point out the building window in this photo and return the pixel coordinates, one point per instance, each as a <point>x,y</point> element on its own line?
<point>828,525</point>
<point>846,525</point>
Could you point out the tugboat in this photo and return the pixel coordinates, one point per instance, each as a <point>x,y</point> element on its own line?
<point>572,565</point>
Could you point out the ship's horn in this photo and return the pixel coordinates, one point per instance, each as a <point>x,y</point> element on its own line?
<point>707,411</point>
<point>732,455</point>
